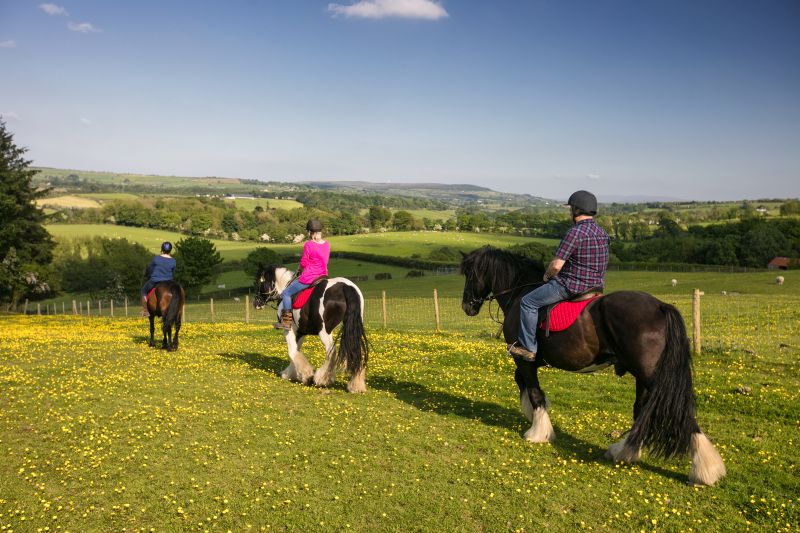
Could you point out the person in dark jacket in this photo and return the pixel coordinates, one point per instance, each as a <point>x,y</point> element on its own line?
<point>161,268</point>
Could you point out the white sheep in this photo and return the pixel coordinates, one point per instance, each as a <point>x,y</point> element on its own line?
<point>674,282</point>
<point>779,280</point>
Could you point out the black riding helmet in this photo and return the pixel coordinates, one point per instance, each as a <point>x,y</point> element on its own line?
<point>584,201</point>
<point>166,247</point>
<point>314,225</point>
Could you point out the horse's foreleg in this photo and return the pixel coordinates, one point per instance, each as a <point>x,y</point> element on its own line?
<point>533,404</point>
<point>299,368</point>
<point>165,329</point>
<point>152,330</point>
<point>326,374</point>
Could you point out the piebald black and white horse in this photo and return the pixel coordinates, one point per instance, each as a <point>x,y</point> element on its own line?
<point>332,302</point>
<point>631,330</point>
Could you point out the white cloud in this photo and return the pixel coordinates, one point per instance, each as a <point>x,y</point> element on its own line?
<point>85,121</point>
<point>83,27</point>
<point>8,44</point>
<point>52,9</point>
<point>9,116</point>
<point>593,176</point>
<point>378,9</point>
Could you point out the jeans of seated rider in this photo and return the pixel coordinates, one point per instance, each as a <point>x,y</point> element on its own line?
<point>549,293</point>
<point>293,288</point>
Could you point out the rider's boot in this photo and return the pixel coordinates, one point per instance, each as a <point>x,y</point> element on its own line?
<point>285,323</point>
<point>145,312</point>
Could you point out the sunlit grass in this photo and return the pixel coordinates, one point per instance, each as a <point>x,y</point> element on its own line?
<point>98,432</point>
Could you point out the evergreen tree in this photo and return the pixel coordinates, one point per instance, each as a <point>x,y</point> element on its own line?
<point>25,246</point>
<point>198,262</point>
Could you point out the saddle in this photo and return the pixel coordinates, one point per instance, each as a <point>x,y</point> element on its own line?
<point>561,315</point>
<point>301,298</point>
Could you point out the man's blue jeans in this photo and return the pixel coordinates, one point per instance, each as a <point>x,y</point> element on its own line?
<point>293,288</point>
<point>549,293</point>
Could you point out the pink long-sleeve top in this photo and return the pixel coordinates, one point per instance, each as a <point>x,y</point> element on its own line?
<point>314,261</point>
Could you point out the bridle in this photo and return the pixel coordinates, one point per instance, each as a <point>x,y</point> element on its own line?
<point>478,301</point>
<point>273,295</point>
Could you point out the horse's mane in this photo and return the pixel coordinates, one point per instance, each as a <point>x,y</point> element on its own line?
<point>505,268</point>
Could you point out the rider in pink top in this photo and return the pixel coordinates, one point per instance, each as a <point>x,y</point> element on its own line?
<point>314,264</point>
<point>314,261</point>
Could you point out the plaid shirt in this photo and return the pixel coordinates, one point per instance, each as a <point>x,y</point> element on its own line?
<point>585,251</point>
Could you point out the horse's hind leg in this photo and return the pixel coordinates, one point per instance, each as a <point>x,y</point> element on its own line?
<point>707,465</point>
<point>299,368</point>
<point>622,452</point>
<point>177,329</point>
<point>167,330</point>
<point>326,374</point>
<point>152,330</point>
<point>533,404</point>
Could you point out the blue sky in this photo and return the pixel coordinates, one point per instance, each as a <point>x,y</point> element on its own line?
<point>694,100</point>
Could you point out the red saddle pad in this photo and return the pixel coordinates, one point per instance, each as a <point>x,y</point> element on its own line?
<point>302,297</point>
<point>149,294</point>
<point>564,314</point>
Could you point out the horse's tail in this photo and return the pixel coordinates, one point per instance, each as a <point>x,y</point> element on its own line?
<point>173,314</point>
<point>667,422</point>
<point>353,345</point>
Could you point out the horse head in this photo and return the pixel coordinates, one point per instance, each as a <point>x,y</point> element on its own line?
<point>265,286</point>
<point>476,287</point>
<point>490,272</point>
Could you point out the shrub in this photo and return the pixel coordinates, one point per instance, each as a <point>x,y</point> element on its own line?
<point>415,274</point>
<point>383,275</point>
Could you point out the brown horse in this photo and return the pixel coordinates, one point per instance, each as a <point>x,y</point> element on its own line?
<point>631,330</point>
<point>166,300</point>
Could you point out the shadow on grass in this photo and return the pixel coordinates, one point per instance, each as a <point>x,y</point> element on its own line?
<point>266,363</point>
<point>445,403</point>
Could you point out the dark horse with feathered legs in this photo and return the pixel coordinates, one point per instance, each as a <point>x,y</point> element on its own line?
<point>166,300</point>
<point>631,330</point>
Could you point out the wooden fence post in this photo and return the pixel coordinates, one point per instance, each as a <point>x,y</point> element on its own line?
<point>88,308</point>
<point>212,309</point>
<point>697,340</point>
<point>25,312</point>
<point>383,297</point>
<point>99,307</point>
<point>111,306</point>
<point>246,308</point>
<point>74,308</point>
<point>38,309</point>
<point>63,308</point>
<point>436,308</point>
<point>80,307</point>
<point>183,314</point>
<point>126,306</point>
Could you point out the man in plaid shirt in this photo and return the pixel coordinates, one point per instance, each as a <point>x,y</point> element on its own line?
<point>580,264</point>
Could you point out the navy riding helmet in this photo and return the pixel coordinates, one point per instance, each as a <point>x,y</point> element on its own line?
<point>166,247</point>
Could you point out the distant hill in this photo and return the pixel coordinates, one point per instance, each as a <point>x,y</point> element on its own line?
<point>458,195</point>
<point>454,195</point>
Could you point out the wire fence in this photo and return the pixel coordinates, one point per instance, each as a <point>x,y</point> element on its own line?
<point>724,321</point>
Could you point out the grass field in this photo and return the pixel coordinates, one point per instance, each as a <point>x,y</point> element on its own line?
<point>98,432</point>
<point>401,244</point>
<point>78,202</point>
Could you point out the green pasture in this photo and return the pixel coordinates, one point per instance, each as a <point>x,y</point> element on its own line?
<point>419,214</point>
<point>225,185</point>
<point>109,196</point>
<point>99,432</point>
<point>265,203</point>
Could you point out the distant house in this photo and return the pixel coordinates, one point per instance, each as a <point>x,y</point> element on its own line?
<point>779,263</point>
<point>761,210</point>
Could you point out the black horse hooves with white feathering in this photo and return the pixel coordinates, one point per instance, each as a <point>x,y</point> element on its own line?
<point>332,302</point>
<point>631,330</point>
